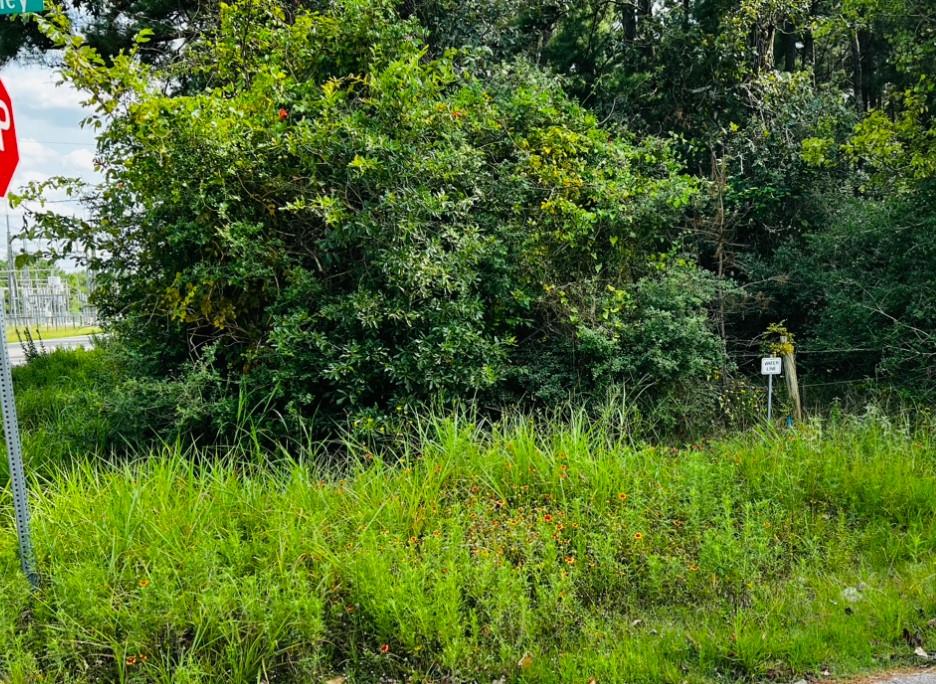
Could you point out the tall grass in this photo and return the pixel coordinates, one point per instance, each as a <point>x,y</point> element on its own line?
<point>59,398</point>
<point>515,552</point>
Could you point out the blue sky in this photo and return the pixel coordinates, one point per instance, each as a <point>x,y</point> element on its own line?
<point>51,140</point>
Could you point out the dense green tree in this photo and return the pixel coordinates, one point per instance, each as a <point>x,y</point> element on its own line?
<point>342,224</point>
<point>860,290</point>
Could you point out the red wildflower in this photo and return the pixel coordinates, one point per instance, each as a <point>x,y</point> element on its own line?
<point>384,649</point>
<point>283,114</point>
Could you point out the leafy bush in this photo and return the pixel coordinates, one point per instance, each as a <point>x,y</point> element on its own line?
<point>352,228</point>
<point>651,344</point>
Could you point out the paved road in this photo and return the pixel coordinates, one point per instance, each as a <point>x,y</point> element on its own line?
<point>900,677</point>
<point>911,678</point>
<point>18,358</point>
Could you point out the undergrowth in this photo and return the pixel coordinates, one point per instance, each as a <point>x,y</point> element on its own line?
<point>60,399</point>
<point>515,552</point>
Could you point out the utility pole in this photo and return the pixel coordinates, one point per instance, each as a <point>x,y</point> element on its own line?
<point>11,271</point>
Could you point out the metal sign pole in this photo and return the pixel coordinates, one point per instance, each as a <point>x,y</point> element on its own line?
<point>769,397</point>
<point>770,366</point>
<point>15,456</point>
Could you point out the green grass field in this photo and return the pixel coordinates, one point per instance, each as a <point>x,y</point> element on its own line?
<point>515,552</point>
<point>53,333</point>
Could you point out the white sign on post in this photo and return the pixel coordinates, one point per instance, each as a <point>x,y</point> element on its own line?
<point>771,365</point>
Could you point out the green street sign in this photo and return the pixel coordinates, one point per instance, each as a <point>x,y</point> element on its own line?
<point>21,6</point>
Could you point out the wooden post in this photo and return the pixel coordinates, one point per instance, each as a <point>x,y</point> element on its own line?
<point>789,374</point>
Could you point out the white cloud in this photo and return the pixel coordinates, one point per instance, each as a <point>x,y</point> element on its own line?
<point>36,88</point>
<point>39,160</point>
<point>48,125</point>
<point>82,160</point>
<point>34,153</point>
<point>51,140</point>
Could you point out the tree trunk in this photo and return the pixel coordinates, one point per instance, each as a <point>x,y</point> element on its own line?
<point>789,46</point>
<point>857,76</point>
<point>644,14</point>
<point>630,23</point>
<point>868,89</point>
<point>809,50</point>
<point>762,40</point>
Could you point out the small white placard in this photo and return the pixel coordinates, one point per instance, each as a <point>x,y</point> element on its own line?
<point>771,365</point>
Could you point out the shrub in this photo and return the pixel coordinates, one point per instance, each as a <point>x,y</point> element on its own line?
<point>650,345</point>
<point>353,228</point>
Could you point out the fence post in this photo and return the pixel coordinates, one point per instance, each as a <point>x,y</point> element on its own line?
<point>789,374</point>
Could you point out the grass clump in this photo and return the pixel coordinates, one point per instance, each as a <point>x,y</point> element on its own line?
<point>60,400</point>
<point>525,553</point>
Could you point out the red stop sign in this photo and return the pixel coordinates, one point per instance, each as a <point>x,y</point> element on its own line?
<point>9,151</point>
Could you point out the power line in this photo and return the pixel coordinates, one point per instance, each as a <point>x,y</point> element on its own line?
<point>752,355</point>
<point>835,351</point>
<point>58,201</point>
<point>58,142</point>
<point>838,382</point>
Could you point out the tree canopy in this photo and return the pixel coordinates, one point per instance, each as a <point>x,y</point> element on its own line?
<point>353,206</point>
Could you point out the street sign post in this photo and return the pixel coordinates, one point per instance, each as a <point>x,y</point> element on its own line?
<point>9,158</point>
<point>21,6</point>
<point>15,458</point>
<point>770,366</point>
